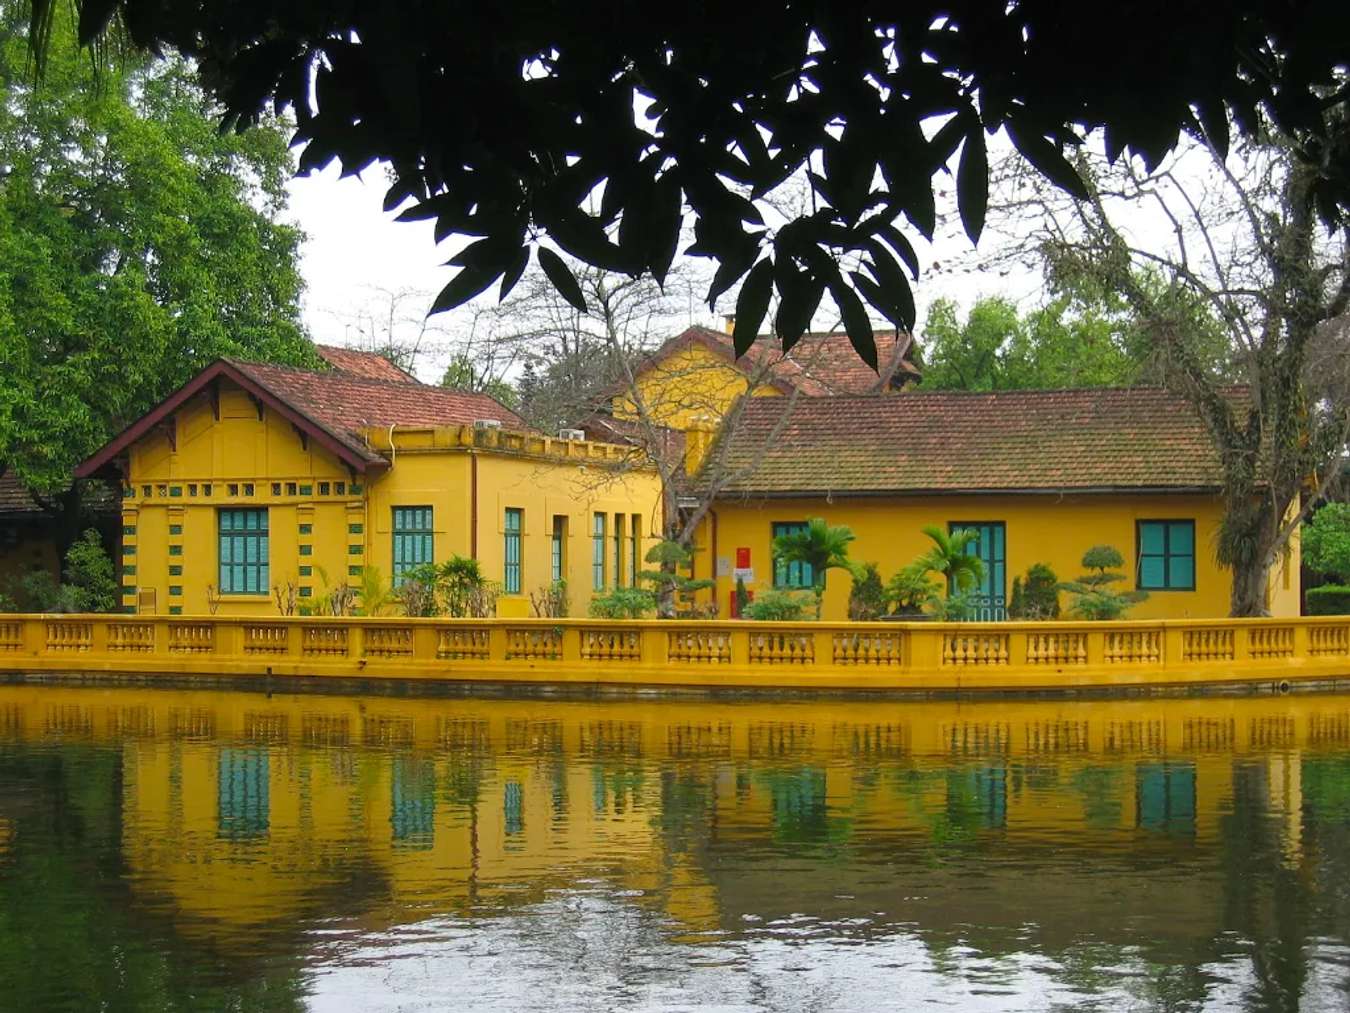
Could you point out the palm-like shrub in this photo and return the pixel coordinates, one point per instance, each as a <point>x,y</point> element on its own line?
<point>822,546</point>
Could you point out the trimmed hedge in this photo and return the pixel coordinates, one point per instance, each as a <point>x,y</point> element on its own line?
<point>1328,600</point>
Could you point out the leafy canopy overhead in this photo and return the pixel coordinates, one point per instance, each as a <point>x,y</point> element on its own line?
<point>600,125</point>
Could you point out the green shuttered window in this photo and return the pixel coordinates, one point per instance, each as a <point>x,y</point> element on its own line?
<point>791,574</point>
<point>511,573</point>
<point>243,552</point>
<point>598,554</point>
<point>1166,556</point>
<point>413,539</point>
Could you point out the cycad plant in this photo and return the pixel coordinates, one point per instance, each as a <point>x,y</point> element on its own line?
<point>950,556</point>
<point>822,546</point>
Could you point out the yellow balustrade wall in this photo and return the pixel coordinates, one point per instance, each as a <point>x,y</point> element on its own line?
<point>906,657</point>
<point>1055,530</point>
<point>326,522</point>
<point>518,800</point>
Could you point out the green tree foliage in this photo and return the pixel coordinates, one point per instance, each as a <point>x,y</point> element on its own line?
<point>461,374</point>
<point>735,98</point>
<point>951,556</point>
<point>1326,541</point>
<point>1328,600</point>
<point>91,575</point>
<point>137,243</point>
<point>456,588</point>
<point>1092,596</point>
<point>822,546</point>
<point>1036,596</point>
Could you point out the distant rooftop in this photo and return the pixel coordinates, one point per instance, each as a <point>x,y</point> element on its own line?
<point>371,365</point>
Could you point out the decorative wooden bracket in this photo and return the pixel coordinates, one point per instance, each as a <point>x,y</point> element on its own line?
<point>213,392</point>
<point>304,436</point>
<point>257,403</point>
<point>169,429</point>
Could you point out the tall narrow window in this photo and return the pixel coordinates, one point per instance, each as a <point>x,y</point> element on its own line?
<point>511,574</point>
<point>787,574</point>
<point>1166,555</point>
<point>618,550</point>
<point>243,552</point>
<point>413,539</point>
<point>633,545</point>
<point>598,554</point>
<point>559,547</point>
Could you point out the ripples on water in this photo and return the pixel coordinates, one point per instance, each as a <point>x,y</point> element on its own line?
<point>175,850</point>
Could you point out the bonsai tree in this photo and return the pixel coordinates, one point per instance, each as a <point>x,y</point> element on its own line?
<point>867,599</point>
<point>1036,597</point>
<point>668,584</point>
<point>822,546</point>
<point>1092,595</point>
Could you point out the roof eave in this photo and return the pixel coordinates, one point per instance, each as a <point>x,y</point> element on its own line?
<point>97,463</point>
<point>1119,490</point>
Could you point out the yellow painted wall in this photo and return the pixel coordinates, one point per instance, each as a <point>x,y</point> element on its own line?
<point>687,385</point>
<point>1040,529</point>
<point>325,523</point>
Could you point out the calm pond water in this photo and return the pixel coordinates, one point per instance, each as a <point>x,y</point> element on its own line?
<point>204,850</point>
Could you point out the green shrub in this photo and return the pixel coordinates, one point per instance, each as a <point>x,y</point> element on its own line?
<point>1092,596</point>
<point>867,599</point>
<point>91,575</point>
<point>779,607</point>
<point>742,596</point>
<point>1328,600</point>
<point>1036,597</point>
<point>1326,542</point>
<point>911,590</point>
<point>622,603</point>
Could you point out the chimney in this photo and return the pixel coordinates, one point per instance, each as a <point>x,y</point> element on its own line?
<point>728,322</point>
<point>698,439</point>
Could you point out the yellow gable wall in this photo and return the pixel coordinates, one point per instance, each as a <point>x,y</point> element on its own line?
<point>1039,529</point>
<point>689,384</point>
<point>170,522</point>
<point>325,523</point>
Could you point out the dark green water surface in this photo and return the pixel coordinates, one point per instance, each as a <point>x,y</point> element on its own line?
<point>166,850</point>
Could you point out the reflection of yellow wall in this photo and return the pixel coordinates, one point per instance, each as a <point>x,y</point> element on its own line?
<point>326,523</point>
<point>687,385</point>
<point>591,793</point>
<point>1040,529</point>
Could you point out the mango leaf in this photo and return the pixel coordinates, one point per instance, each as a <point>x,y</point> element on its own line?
<point>563,280</point>
<point>514,272</point>
<point>799,294</point>
<point>972,183</point>
<point>469,282</point>
<point>751,305</point>
<point>857,324</point>
<point>1048,160</point>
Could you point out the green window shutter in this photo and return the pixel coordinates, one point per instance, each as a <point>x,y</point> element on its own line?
<point>598,553</point>
<point>414,539</point>
<point>511,575</point>
<point>1166,555</point>
<point>243,539</point>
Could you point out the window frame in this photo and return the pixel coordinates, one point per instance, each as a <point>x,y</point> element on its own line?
<point>558,548</point>
<point>513,537</point>
<point>1166,555</point>
<point>599,531</point>
<point>777,528</point>
<point>241,537</point>
<point>634,543</point>
<point>426,536</point>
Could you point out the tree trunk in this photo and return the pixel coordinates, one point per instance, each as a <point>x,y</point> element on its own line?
<point>1248,599</point>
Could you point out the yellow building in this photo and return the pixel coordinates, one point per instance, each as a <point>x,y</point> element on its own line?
<point>696,375</point>
<point>253,480</point>
<point>1041,475</point>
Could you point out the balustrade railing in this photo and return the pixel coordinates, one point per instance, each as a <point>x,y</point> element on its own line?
<point>697,652</point>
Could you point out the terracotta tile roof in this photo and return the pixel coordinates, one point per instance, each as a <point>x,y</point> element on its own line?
<point>820,364</point>
<point>947,442</point>
<point>345,403</point>
<point>17,502</point>
<point>15,497</point>
<point>371,365</point>
<point>333,406</point>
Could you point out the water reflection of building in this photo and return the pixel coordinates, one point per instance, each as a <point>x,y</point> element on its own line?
<point>244,812</point>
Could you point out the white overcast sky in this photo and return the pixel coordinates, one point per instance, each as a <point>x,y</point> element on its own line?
<point>354,249</point>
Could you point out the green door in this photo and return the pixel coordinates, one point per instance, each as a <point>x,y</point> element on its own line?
<point>991,602</point>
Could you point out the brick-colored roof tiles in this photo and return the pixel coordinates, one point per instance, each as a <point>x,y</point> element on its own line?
<point>345,403</point>
<point>949,442</point>
<point>371,365</point>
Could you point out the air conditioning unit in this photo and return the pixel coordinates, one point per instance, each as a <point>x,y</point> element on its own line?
<point>571,434</point>
<point>487,423</point>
